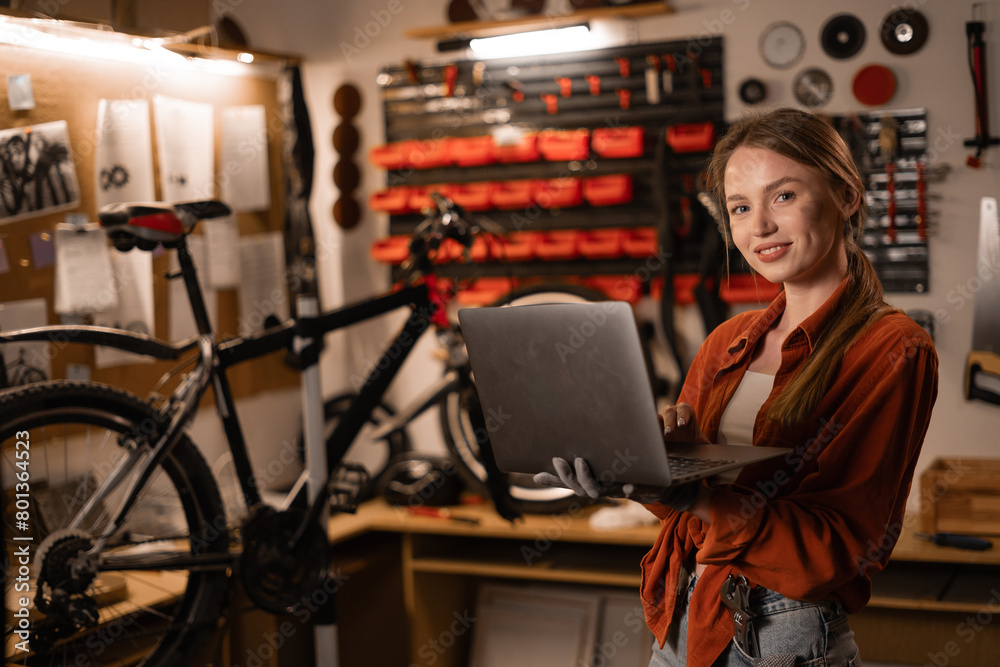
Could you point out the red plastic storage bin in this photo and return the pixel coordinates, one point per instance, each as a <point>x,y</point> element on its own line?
<point>520,246</point>
<point>563,244</point>
<point>485,291</point>
<point>602,243</point>
<point>390,156</point>
<point>641,242</point>
<point>391,249</point>
<point>617,288</point>
<point>745,288</point>
<point>559,145</point>
<point>558,192</point>
<point>427,153</point>
<point>614,142</point>
<point>524,150</point>
<point>471,196</point>
<point>472,151</point>
<point>512,194</point>
<point>420,196</point>
<point>394,201</point>
<point>691,137</point>
<point>608,190</point>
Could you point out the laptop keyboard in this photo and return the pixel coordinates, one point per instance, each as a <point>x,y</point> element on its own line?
<point>685,465</point>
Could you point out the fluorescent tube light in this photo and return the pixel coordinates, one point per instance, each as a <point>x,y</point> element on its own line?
<point>538,42</point>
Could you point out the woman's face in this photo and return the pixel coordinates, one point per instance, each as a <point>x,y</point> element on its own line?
<point>785,219</point>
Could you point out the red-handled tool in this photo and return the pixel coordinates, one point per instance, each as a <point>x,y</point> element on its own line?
<point>595,84</point>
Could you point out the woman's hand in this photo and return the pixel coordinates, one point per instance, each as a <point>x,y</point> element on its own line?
<point>680,424</point>
<point>579,478</point>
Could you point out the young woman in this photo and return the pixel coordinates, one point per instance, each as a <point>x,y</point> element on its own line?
<point>827,370</point>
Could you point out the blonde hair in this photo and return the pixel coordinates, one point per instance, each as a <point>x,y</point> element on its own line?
<point>812,141</point>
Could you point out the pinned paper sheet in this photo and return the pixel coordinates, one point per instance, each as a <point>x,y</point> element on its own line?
<point>123,165</point>
<point>83,269</point>
<point>185,145</point>
<point>263,290</point>
<point>25,361</point>
<point>243,175</point>
<point>39,174</point>
<point>182,325</point>
<point>222,248</point>
<point>134,282</point>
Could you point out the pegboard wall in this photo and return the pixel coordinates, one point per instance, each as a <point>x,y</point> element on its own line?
<point>590,160</point>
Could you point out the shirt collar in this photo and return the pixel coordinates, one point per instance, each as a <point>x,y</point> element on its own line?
<point>811,327</point>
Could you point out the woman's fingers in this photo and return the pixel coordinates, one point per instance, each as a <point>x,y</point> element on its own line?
<point>680,424</point>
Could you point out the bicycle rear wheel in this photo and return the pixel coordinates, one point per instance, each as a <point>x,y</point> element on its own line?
<point>73,435</point>
<point>459,432</point>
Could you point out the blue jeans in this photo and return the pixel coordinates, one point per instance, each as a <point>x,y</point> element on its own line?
<point>816,633</point>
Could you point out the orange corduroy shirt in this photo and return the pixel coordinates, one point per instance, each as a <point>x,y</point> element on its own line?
<point>815,524</point>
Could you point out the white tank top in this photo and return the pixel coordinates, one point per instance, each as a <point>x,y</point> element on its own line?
<point>736,425</point>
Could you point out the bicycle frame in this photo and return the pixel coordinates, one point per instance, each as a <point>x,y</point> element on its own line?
<point>427,308</point>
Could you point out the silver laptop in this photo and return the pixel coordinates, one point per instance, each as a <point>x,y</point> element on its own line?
<point>570,379</point>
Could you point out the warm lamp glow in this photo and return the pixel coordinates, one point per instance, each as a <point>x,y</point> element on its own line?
<point>539,42</point>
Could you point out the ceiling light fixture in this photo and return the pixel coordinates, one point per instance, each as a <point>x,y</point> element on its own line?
<point>538,42</point>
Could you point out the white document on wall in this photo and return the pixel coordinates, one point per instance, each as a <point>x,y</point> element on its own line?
<point>83,276</point>
<point>25,362</point>
<point>222,252</point>
<point>263,289</point>
<point>134,282</point>
<point>182,325</point>
<point>123,163</point>
<point>185,145</point>
<point>243,175</point>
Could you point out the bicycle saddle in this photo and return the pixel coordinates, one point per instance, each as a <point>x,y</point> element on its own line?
<point>145,225</point>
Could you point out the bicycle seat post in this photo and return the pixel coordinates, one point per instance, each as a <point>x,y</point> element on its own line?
<point>191,284</point>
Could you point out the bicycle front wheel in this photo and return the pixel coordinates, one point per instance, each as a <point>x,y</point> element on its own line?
<point>60,441</point>
<point>459,432</point>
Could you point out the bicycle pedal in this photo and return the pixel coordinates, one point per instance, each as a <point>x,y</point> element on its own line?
<point>348,483</point>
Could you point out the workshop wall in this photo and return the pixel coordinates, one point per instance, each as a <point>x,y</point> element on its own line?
<point>349,42</point>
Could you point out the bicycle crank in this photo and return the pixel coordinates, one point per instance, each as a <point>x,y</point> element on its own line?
<point>275,577</point>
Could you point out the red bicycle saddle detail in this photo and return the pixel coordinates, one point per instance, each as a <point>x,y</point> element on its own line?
<point>148,224</point>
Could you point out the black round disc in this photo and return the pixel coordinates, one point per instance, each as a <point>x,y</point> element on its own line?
<point>753,91</point>
<point>842,36</point>
<point>904,31</point>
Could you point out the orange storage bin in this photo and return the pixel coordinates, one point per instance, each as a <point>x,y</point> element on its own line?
<point>745,288</point>
<point>391,249</point>
<point>601,243</point>
<point>563,244</point>
<point>485,291</point>
<point>394,201</point>
<point>427,153</point>
<point>512,194</point>
<point>560,145</point>
<point>684,284</point>
<point>420,196</point>
<point>390,156</point>
<point>471,196</point>
<point>641,242</point>
<point>450,251</point>
<point>616,142</point>
<point>608,190</point>
<point>617,288</point>
<point>520,246</point>
<point>691,137</point>
<point>472,151</point>
<point>557,192</point>
<point>524,150</point>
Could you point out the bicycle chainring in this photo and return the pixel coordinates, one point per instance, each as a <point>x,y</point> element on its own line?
<point>278,576</point>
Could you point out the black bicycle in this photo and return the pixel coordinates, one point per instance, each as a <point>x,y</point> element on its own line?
<point>116,536</point>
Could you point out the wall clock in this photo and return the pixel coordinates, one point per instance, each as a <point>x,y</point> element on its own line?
<point>782,44</point>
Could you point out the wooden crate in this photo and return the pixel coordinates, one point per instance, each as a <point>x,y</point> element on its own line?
<point>961,495</point>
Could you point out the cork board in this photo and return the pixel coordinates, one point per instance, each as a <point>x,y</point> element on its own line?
<point>69,88</point>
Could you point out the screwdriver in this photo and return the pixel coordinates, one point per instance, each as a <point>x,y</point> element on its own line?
<point>957,541</point>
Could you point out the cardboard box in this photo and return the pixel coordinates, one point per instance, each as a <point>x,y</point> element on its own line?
<point>961,496</point>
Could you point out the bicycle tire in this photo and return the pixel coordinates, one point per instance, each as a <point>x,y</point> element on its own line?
<point>459,434</point>
<point>374,455</point>
<point>181,494</point>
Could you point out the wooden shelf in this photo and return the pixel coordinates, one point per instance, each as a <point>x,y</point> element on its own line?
<point>539,22</point>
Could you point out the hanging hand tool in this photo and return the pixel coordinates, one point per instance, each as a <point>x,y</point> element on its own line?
<point>985,355</point>
<point>595,84</point>
<point>653,79</point>
<point>974,30</point>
